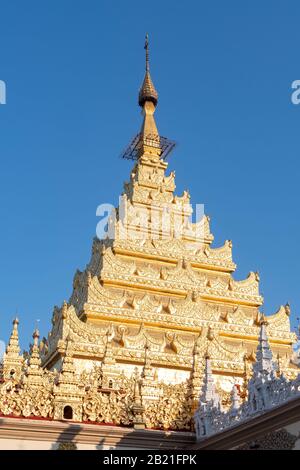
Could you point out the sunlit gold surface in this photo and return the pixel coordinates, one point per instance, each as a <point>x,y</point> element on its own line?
<point>128,347</point>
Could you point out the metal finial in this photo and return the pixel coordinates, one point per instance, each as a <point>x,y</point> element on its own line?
<point>146,47</point>
<point>147,90</point>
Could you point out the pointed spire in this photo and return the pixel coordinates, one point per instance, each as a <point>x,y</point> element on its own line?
<point>146,47</point>
<point>137,407</point>
<point>68,391</point>
<point>196,375</point>
<point>264,373</point>
<point>149,136</point>
<point>147,90</point>
<point>287,309</point>
<point>34,371</point>
<point>109,367</point>
<point>108,358</point>
<point>67,374</point>
<point>35,352</point>
<point>148,146</point>
<point>209,404</point>
<point>12,360</point>
<point>13,344</point>
<point>264,356</point>
<point>209,394</point>
<point>235,399</point>
<point>149,386</point>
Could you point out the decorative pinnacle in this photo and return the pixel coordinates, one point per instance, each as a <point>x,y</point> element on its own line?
<point>209,394</point>
<point>235,399</point>
<point>146,47</point>
<point>263,320</point>
<point>264,356</point>
<point>147,91</point>
<point>13,343</point>
<point>36,335</point>
<point>287,308</point>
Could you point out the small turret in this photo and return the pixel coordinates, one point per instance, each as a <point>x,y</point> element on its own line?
<point>137,407</point>
<point>196,376</point>
<point>12,360</point>
<point>34,373</point>
<point>264,373</point>
<point>235,400</point>
<point>149,387</point>
<point>209,394</point>
<point>264,357</point>
<point>109,369</point>
<point>68,393</point>
<point>209,404</point>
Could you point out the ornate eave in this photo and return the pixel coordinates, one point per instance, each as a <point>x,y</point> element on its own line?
<point>89,339</point>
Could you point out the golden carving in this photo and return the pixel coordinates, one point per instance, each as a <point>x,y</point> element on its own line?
<point>153,301</point>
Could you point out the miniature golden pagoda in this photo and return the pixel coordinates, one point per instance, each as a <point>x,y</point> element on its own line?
<point>155,299</point>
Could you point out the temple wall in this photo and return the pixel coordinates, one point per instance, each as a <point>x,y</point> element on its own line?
<point>172,376</point>
<point>36,434</point>
<point>28,444</point>
<point>24,444</point>
<point>87,365</point>
<point>166,375</point>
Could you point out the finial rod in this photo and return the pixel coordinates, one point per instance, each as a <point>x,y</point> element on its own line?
<point>146,47</point>
<point>147,90</point>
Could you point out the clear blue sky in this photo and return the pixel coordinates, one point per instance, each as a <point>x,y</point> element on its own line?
<point>223,71</point>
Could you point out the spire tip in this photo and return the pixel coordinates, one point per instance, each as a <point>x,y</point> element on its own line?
<point>147,91</point>
<point>146,47</point>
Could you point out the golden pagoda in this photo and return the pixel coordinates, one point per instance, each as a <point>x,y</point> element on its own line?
<point>153,302</point>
